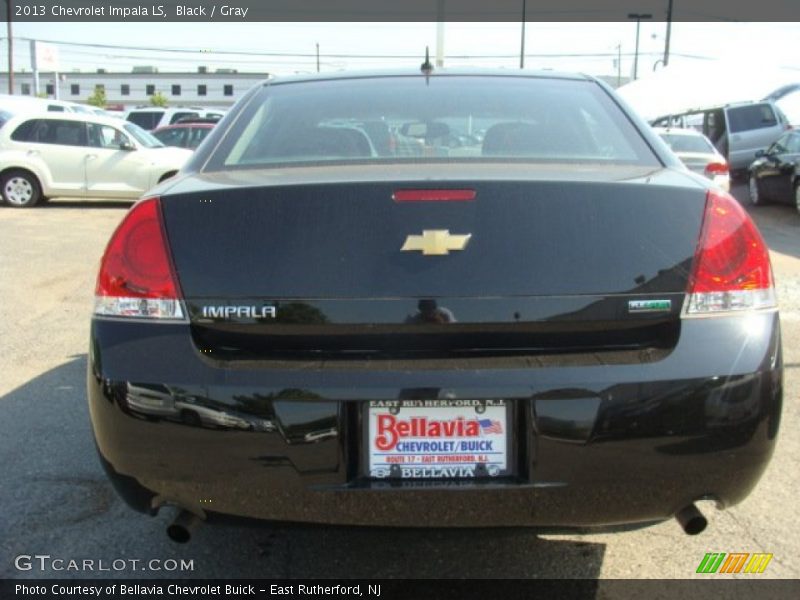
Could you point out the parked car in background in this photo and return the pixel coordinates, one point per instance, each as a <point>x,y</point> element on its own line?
<point>5,116</point>
<point>80,156</point>
<point>698,154</point>
<point>102,112</point>
<point>187,133</point>
<point>153,117</point>
<point>587,317</point>
<point>738,131</point>
<point>212,119</point>
<point>161,402</point>
<point>775,174</point>
<point>31,104</point>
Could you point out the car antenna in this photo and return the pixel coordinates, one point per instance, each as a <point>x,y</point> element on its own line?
<point>426,67</point>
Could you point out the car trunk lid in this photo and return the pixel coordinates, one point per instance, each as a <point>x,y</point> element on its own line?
<point>546,265</point>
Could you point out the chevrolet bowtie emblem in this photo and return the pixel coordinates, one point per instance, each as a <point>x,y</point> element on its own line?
<point>436,242</point>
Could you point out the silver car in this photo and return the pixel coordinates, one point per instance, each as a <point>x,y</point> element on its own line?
<point>698,153</point>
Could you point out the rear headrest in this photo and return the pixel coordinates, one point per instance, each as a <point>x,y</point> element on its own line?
<point>328,142</point>
<point>510,139</point>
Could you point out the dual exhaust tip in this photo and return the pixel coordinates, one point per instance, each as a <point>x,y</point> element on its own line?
<point>691,520</point>
<point>180,530</point>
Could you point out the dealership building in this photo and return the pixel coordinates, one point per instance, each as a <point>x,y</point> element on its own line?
<point>220,88</point>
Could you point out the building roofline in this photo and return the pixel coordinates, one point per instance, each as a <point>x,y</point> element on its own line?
<point>248,74</point>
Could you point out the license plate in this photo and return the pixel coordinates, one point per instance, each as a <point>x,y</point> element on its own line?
<point>438,439</point>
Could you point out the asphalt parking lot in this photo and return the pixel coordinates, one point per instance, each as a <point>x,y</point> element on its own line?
<point>56,500</point>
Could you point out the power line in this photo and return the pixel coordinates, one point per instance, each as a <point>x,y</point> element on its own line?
<point>313,55</point>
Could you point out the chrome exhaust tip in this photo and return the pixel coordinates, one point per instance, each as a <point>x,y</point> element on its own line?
<point>180,530</point>
<point>691,520</point>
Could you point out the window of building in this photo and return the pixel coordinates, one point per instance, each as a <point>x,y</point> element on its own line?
<point>50,89</point>
<point>228,90</point>
<point>26,89</point>
<point>100,87</point>
<point>176,90</point>
<point>150,89</point>
<point>201,90</point>
<point>75,89</point>
<point>125,89</point>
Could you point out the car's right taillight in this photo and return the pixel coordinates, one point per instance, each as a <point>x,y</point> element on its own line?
<point>732,271</point>
<point>136,276</point>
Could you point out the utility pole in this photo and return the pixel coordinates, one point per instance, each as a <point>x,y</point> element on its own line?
<point>317,57</point>
<point>10,50</point>
<point>522,40</point>
<point>440,34</point>
<point>669,32</point>
<point>638,17</point>
<point>619,65</point>
<point>35,65</point>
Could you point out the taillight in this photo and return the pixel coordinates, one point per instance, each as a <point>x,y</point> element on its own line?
<point>717,168</point>
<point>136,277</point>
<point>731,265</point>
<point>433,195</point>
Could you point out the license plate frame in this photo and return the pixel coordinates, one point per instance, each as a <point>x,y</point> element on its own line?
<point>404,445</point>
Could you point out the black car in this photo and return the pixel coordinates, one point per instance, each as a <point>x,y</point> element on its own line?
<point>774,175</point>
<point>553,324</point>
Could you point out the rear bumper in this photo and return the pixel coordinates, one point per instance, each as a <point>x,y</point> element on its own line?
<point>599,440</point>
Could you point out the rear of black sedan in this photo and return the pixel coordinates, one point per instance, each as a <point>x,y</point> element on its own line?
<point>461,299</point>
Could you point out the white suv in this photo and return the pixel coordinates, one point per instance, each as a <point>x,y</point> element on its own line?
<point>72,155</point>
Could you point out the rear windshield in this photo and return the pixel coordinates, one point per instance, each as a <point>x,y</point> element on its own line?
<point>444,118</point>
<point>146,119</point>
<point>687,143</point>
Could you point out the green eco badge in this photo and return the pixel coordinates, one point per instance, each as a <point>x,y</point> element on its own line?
<point>642,306</point>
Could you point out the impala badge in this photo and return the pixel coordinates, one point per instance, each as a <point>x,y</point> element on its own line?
<point>436,242</point>
<point>238,312</point>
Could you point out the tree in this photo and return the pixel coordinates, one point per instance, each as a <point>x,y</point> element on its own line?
<point>158,99</point>
<point>98,98</point>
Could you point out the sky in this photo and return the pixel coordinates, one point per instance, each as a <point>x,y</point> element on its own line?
<point>248,46</point>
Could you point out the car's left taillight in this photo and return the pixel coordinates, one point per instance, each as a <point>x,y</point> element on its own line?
<point>717,168</point>
<point>717,171</point>
<point>137,278</point>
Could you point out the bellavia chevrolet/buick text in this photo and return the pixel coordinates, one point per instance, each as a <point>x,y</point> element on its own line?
<point>498,296</point>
